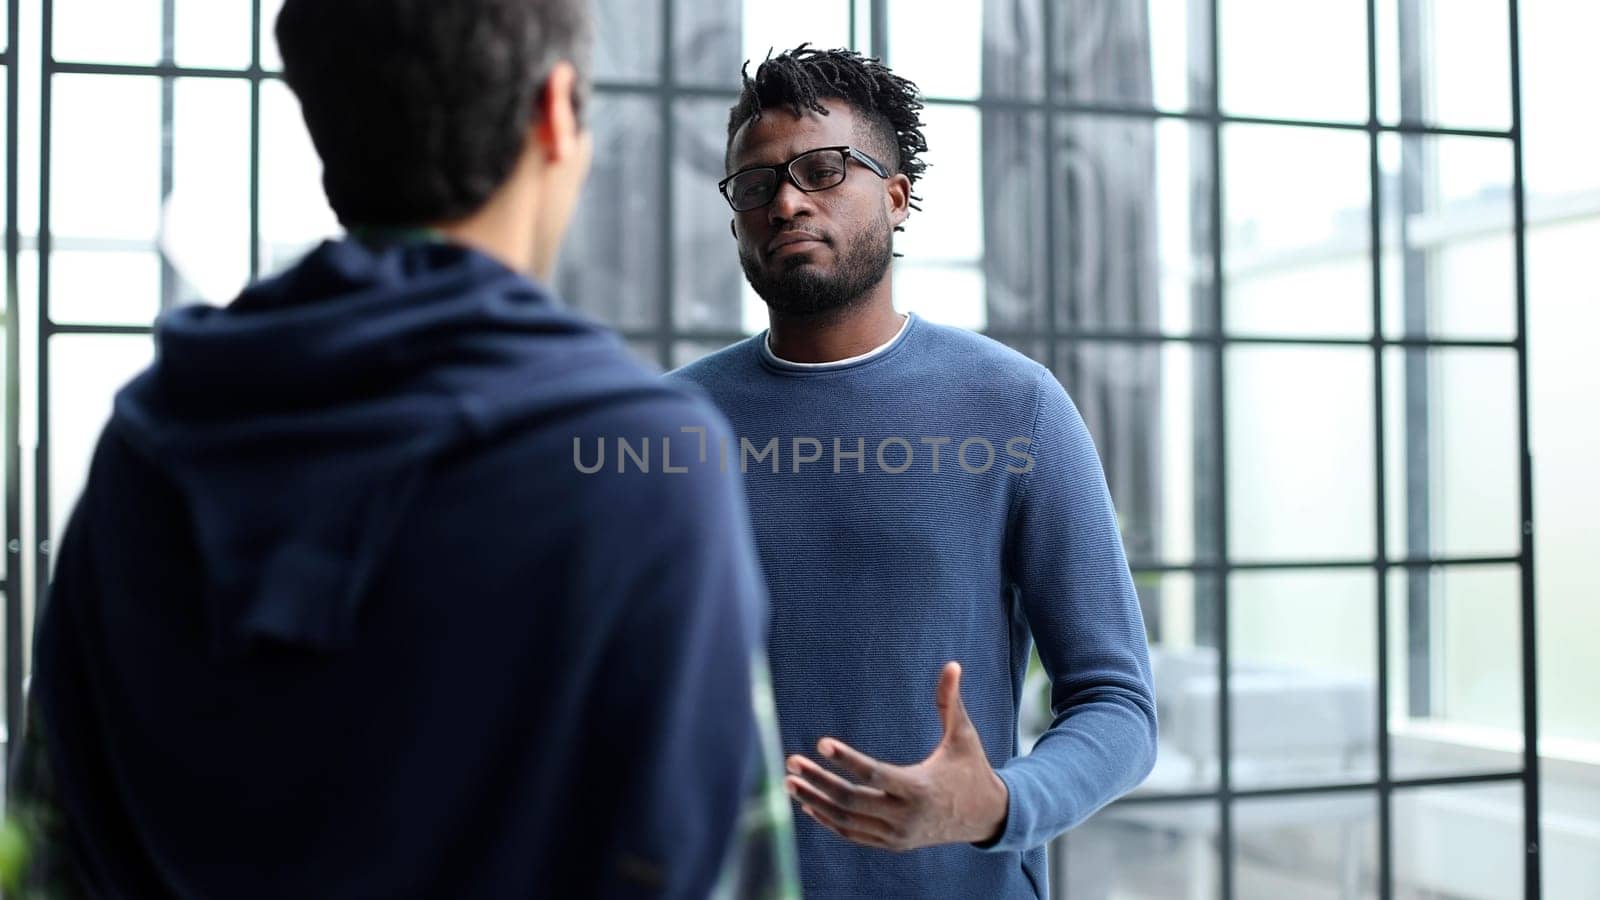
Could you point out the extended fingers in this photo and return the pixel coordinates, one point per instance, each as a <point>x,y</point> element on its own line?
<point>864,767</point>
<point>843,792</point>
<point>844,831</point>
<point>851,818</point>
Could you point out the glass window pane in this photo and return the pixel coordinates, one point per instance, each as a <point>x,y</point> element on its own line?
<point>944,52</point>
<point>752,310</point>
<point>1312,297</point>
<point>1445,62</point>
<point>1149,408</point>
<point>775,27</point>
<point>1300,453</point>
<point>1452,452</point>
<point>610,265</point>
<point>104,287</point>
<point>1467,841</point>
<point>294,210</point>
<point>1133,210</point>
<point>1558,59</point>
<point>1306,847</point>
<point>1294,60</point>
<point>1015,258</point>
<point>647,352</point>
<point>206,219</point>
<point>708,41</point>
<point>707,281</point>
<point>86,371</point>
<point>1449,248</point>
<point>105,145</point>
<point>948,294</point>
<point>1145,851</point>
<point>863,22</point>
<point>1455,670</point>
<point>270,60</point>
<point>1303,677</point>
<point>1564,380</point>
<point>212,34</point>
<point>941,276</point>
<point>627,40</point>
<point>1296,248</point>
<point>107,31</point>
<point>685,352</point>
<point>1033,348</point>
<point>29,185</point>
<point>1480,679</point>
<point>949,226</point>
<point>1180,616</point>
<point>1012,61</point>
<point>1155,53</point>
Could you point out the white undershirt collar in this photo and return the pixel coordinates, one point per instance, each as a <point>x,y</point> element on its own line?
<point>766,349</point>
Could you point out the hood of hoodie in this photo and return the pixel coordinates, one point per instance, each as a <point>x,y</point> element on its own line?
<point>299,422</point>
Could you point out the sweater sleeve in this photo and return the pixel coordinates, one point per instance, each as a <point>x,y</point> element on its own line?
<point>1077,595</point>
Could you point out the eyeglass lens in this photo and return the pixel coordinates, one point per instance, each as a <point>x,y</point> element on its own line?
<point>817,170</point>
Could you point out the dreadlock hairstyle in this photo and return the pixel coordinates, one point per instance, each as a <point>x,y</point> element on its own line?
<point>802,78</point>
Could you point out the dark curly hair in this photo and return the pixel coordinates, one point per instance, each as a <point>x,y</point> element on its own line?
<point>801,78</point>
<point>419,108</point>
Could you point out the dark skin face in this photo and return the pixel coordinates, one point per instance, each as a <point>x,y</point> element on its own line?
<point>821,260</point>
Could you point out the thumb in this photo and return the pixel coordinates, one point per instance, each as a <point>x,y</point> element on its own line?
<point>951,710</point>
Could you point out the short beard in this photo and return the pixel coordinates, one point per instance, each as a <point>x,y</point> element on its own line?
<point>798,291</point>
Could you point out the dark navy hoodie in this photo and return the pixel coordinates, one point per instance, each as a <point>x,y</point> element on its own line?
<point>338,615</point>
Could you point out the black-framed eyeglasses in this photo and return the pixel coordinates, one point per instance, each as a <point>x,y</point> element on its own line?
<point>812,171</point>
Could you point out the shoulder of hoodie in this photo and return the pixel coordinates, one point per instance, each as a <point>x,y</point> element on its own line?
<point>638,400</point>
<point>531,476</point>
<point>635,402</point>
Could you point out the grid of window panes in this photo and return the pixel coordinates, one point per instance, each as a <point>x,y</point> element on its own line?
<point>1285,291</point>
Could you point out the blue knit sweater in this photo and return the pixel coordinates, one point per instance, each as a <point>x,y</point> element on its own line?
<point>940,499</point>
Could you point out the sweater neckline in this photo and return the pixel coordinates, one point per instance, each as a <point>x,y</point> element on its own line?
<point>789,367</point>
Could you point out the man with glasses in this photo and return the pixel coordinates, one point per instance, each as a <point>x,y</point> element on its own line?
<point>337,614</point>
<point>928,504</point>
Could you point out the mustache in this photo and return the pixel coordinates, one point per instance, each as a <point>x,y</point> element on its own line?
<point>791,234</point>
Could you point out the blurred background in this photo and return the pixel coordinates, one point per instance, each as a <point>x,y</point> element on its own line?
<point>1322,278</point>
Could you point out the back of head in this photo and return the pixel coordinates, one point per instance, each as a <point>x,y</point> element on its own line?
<point>419,108</point>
